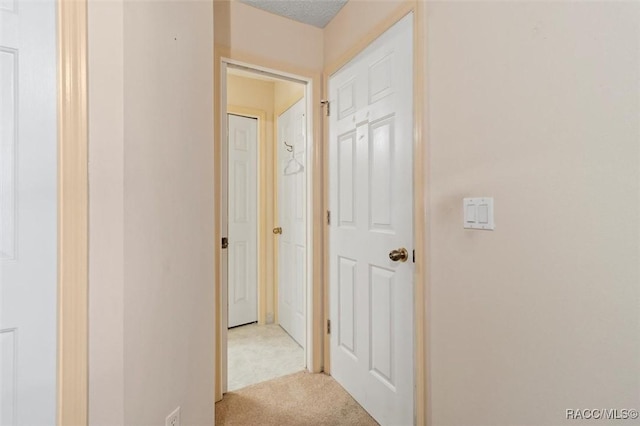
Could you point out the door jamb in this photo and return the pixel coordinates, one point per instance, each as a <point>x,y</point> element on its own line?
<point>221,331</point>
<point>420,199</point>
<point>73,212</point>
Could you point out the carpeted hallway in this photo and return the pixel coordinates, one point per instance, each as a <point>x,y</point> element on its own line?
<point>295,400</point>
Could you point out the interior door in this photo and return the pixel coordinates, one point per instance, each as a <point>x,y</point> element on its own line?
<point>371,204</point>
<point>28,204</point>
<point>243,220</point>
<point>292,219</point>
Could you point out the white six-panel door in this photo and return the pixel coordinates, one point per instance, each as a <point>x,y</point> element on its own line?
<point>28,203</point>
<point>243,220</point>
<point>292,220</point>
<point>371,204</point>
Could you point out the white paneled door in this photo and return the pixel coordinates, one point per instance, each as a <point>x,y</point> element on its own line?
<point>371,204</point>
<point>292,219</point>
<point>28,203</point>
<point>243,220</point>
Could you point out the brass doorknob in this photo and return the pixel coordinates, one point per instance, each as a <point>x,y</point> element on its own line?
<point>400,254</point>
<point>277,230</point>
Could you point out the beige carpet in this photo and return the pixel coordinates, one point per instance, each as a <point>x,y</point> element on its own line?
<point>257,353</point>
<point>298,399</point>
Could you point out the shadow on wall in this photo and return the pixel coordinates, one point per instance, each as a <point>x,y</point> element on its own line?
<point>222,27</point>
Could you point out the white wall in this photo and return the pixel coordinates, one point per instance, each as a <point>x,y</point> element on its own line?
<point>537,105</point>
<point>151,212</point>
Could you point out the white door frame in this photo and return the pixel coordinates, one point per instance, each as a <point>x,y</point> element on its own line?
<point>225,63</point>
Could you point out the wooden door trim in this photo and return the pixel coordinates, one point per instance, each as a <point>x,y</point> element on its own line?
<point>73,207</point>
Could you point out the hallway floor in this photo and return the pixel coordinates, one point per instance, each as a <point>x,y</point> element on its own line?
<point>257,353</point>
<point>295,400</point>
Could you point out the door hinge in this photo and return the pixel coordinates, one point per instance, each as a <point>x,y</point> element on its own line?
<point>328,217</point>
<point>328,326</point>
<point>414,256</point>
<point>225,242</point>
<point>328,105</point>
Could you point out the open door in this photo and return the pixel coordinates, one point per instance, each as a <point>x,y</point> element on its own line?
<point>28,213</point>
<point>292,256</point>
<point>371,229</point>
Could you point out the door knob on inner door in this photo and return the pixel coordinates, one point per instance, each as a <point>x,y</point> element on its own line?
<point>277,230</point>
<point>399,255</point>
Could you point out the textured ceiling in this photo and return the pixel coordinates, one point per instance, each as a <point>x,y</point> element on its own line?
<point>313,12</point>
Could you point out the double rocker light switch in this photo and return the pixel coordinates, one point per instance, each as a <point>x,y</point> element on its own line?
<point>478,213</point>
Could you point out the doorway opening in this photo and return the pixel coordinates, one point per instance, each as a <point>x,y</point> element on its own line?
<point>265,224</point>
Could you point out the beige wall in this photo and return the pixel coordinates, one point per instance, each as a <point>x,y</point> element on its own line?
<point>353,25</point>
<point>285,94</point>
<point>245,29</point>
<point>252,93</point>
<point>537,105</point>
<point>106,213</point>
<point>151,178</point>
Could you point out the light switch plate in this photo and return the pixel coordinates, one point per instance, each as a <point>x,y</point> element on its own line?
<point>173,419</point>
<point>478,213</point>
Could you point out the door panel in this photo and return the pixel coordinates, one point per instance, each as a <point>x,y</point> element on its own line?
<point>346,179</point>
<point>347,331</point>
<point>243,220</point>
<point>381,309</point>
<point>292,219</point>
<point>371,196</point>
<point>28,213</point>
<point>381,174</point>
<point>8,118</point>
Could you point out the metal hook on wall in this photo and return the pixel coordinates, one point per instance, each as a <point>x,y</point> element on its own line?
<point>289,147</point>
